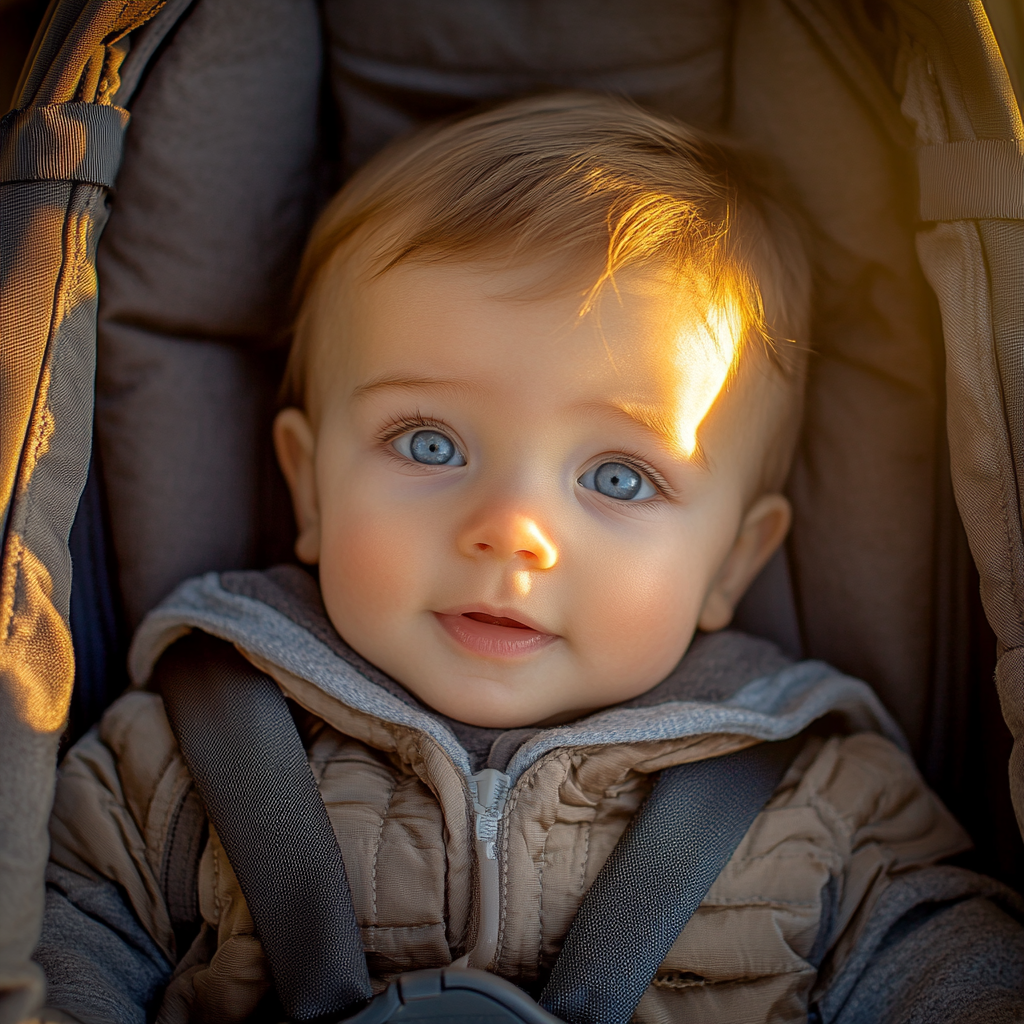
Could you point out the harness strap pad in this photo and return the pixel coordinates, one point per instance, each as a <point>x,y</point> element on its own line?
<point>652,883</point>
<point>245,754</point>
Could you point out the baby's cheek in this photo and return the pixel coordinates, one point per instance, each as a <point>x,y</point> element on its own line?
<point>368,569</point>
<point>642,615</point>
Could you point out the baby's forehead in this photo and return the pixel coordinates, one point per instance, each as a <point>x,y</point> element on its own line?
<point>640,326</point>
<point>641,351</point>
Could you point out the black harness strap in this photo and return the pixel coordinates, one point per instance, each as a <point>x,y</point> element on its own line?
<point>245,754</point>
<point>659,872</point>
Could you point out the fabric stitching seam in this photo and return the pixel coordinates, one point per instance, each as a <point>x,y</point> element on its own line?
<point>376,850</point>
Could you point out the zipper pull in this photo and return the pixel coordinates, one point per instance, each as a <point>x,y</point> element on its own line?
<point>489,789</point>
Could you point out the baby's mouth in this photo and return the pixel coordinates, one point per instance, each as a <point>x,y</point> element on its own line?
<point>497,620</point>
<point>493,636</point>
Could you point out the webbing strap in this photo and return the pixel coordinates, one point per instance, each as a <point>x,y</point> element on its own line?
<point>241,745</point>
<point>662,868</point>
<point>63,142</point>
<point>978,180</point>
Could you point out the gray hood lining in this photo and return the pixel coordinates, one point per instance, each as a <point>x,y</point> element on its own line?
<point>727,682</point>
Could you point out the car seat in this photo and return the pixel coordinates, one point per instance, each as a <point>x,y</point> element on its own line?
<point>157,177</point>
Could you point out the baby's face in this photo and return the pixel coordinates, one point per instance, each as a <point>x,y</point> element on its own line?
<point>505,515</point>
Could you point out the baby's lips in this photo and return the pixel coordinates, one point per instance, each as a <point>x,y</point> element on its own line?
<point>486,634</point>
<point>507,618</point>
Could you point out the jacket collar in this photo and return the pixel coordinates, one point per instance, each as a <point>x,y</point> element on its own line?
<point>727,682</point>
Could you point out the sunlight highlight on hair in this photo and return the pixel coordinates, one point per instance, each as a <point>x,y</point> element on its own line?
<point>705,353</point>
<point>584,187</point>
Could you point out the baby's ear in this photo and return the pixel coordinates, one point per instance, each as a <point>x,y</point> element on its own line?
<point>763,529</point>
<point>295,445</point>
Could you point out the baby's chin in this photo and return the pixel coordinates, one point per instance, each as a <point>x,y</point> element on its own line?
<point>490,705</point>
<point>502,704</point>
<point>548,687</point>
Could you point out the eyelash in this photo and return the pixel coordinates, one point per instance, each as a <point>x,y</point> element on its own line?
<point>402,424</point>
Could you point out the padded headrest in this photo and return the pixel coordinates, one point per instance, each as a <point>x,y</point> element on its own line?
<point>219,182</point>
<point>226,161</point>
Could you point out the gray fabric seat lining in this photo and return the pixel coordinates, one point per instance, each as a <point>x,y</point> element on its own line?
<point>474,85</point>
<point>865,484</point>
<point>405,61</point>
<point>212,206</point>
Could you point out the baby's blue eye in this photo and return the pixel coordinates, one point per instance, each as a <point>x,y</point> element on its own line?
<point>617,480</point>
<point>430,447</point>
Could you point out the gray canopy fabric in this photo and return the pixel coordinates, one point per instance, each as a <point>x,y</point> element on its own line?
<point>54,208</point>
<point>897,129</point>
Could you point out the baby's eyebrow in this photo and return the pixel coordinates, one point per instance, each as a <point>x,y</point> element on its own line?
<point>410,383</point>
<point>655,421</point>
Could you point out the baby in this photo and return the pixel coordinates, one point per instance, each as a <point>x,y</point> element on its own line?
<point>544,390</point>
<point>505,451</point>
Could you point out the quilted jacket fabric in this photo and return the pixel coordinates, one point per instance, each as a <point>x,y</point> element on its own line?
<point>851,816</point>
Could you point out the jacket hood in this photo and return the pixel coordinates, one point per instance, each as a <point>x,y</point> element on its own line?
<point>727,682</point>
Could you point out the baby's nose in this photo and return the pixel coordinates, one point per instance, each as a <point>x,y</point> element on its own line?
<point>510,537</point>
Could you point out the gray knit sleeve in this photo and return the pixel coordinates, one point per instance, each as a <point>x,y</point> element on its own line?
<point>101,966</point>
<point>943,946</point>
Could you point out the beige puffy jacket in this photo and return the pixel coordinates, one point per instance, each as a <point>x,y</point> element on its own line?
<point>851,813</point>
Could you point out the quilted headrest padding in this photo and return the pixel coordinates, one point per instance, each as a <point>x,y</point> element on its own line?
<point>397,63</point>
<point>213,202</point>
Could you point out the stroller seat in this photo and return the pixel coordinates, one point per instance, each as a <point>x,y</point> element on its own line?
<point>161,169</point>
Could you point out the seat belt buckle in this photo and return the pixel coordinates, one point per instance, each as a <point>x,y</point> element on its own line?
<point>452,994</point>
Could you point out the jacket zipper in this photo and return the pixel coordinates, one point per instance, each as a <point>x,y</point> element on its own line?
<point>489,790</point>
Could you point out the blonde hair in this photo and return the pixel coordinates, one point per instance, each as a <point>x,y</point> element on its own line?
<point>586,183</point>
